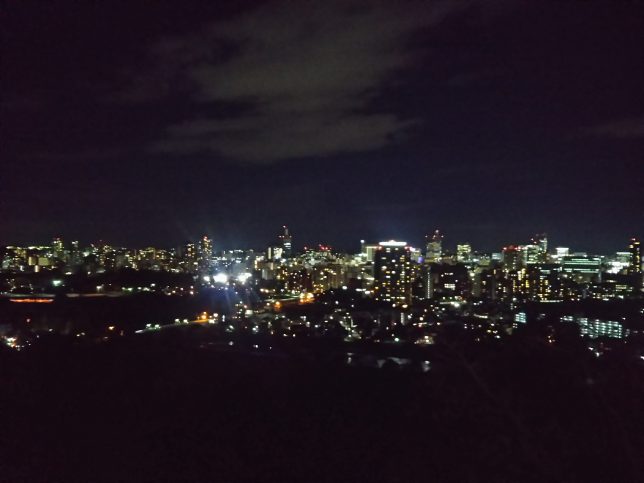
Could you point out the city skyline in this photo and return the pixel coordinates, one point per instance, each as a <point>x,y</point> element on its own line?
<point>449,245</point>
<point>390,273</point>
<point>489,120</point>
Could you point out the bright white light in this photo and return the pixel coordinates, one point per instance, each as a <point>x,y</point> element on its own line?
<point>56,283</point>
<point>243,277</point>
<point>220,278</point>
<point>392,243</point>
<point>206,278</point>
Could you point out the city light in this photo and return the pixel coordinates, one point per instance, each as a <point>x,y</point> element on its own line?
<point>220,278</point>
<point>392,243</point>
<point>244,277</point>
<point>32,301</point>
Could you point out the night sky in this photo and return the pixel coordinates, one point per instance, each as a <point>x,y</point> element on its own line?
<point>146,123</point>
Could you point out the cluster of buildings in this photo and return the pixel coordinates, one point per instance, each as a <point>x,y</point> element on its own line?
<point>389,291</point>
<point>399,274</point>
<point>101,257</point>
<point>393,272</point>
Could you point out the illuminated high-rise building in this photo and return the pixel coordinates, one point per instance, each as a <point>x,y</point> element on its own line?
<point>108,257</point>
<point>541,240</point>
<point>368,251</point>
<point>447,281</point>
<point>537,251</point>
<point>532,254</point>
<point>581,266</point>
<point>205,253</point>
<point>190,259</point>
<point>511,258</point>
<point>635,262</point>
<point>463,252</point>
<point>287,242</point>
<point>274,253</point>
<point>58,248</point>
<point>539,282</point>
<point>434,248</point>
<point>393,272</point>
<point>75,255</point>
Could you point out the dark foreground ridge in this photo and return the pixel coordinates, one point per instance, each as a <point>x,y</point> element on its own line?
<point>158,408</point>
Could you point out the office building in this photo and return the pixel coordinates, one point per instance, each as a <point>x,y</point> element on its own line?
<point>583,267</point>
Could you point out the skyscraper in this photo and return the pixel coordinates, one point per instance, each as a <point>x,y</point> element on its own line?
<point>287,242</point>
<point>511,258</point>
<point>541,240</point>
<point>536,251</point>
<point>635,262</point>
<point>75,255</point>
<point>532,254</point>
<point>393,272</point>
<point>58,248</point>
<point>205,253</point>
<point>189,257</point>
<point>446,280</point>
<point>434,249</point>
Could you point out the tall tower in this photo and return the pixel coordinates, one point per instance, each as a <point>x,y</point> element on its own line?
<point>190,260</point>
<point>434,250</point>
<point>635,262</point>
<point>205,253</point>
<point>287,242</point>
<point>75,255</point>
<point>393,272</point>
<point>58,248</point>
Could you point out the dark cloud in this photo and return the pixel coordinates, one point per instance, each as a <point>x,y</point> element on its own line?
<point>308,85</point>
<point>621,129</point>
